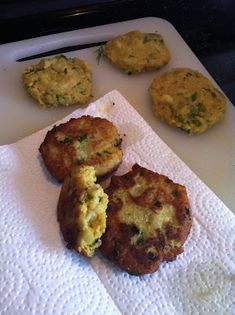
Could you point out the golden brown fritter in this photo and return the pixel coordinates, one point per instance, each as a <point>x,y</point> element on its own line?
<point>59,81</point>
<point>137,52</point>
<point>86,140</point>
<point>82,210</point>
<point>148,221</point>
<point>184,98</point>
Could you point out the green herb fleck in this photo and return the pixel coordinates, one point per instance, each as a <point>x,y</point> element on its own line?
<point>79,161</point>
<point>201,107</point>
<point>187,213</point>
<point>103,153</point>
<point>180,118</point>
<point>188,130</point>
<point>140,239</point>
<point>80,202</point>
<point>151,256</point>
<point>71,59</point>
<point>116,142</point>
<point>65,70</point>
<point>189,74</point>
<point>66,140</point>
<point>157,204</point>
<point>196,122</point>
<point>76,69</point>
<point>64,57</point>
<point>194,97</point>
<point>31,69</point>
<point>47,94</point>
<point>175,193</point>
<point>82,138</point>
<point>106,152</point>
<point>213,94</point>
<point>193,111</point>
<point>60,98</point>
<point>150,37</point>
<point>176,243</point>
<point>89,197</point>
<point>100,53</point>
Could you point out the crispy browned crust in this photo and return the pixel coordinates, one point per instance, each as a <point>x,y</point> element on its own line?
<point>158,192</point>
<point>86,140</point>
<point>68,209</point>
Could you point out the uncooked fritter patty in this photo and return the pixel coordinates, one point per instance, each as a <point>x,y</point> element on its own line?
<point>148,221</point>
<point>59,81</point>
<point>86,140</point>
<point>184,98</point>
<point>137,52</point>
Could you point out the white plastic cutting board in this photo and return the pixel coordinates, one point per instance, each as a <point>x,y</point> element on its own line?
<point>210,155</point>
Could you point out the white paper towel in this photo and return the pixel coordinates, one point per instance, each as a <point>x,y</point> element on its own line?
<point>38,275</point>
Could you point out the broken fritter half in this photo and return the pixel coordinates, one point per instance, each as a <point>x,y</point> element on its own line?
<point>82,210</point>
<point>148,221</point>
<point>86,140</point>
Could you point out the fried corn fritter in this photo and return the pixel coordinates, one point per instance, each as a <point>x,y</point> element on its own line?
<point>137,52</point>
<point>184,98</point>
<point>82,210</point>
<point>59,81</point>
<point>86,140</point>
<point>148,221</point>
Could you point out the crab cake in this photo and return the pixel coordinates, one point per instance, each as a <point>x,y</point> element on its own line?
<point>58,81</point>
<point>148,221</point>
<point>82,210</point>
<point>137,52</point>
<point>184,98</point>
<point>86,140</point>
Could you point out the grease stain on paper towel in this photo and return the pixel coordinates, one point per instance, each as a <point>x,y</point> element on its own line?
<point>106,108</point>
<point>205,286</point>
